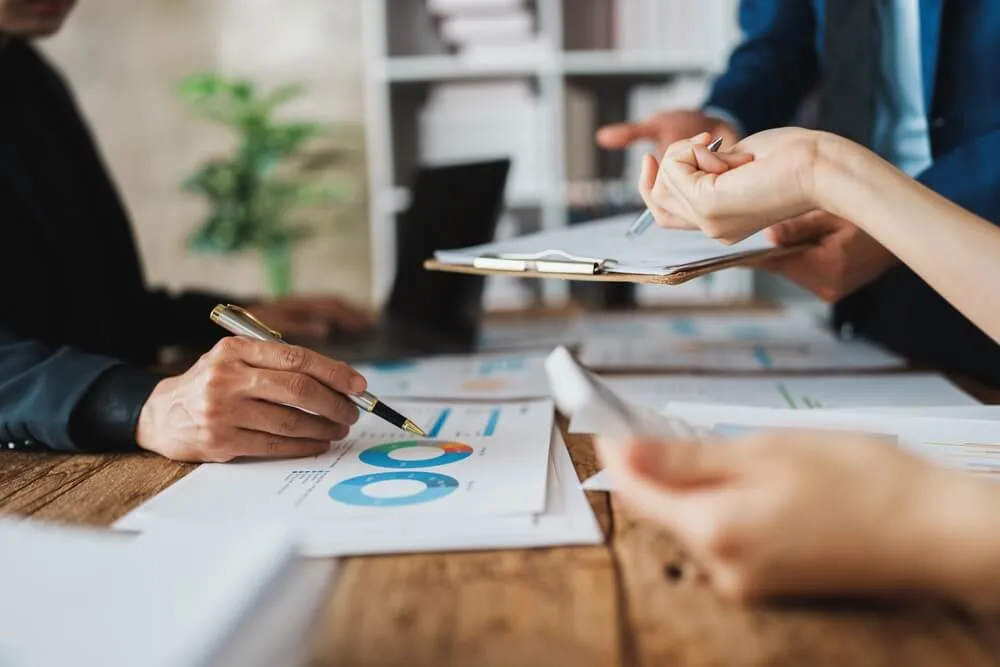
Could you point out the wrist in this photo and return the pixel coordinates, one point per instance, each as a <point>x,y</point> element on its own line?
<point>146,424</point>
<point>837,168</point>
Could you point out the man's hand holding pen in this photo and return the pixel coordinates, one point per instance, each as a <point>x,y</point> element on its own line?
<point>235,402</point>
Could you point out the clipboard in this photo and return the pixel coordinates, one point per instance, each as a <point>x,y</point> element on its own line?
<point>559,265</point>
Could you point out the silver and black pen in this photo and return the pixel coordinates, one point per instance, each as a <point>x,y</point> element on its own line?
<point>240,322</point>
<point>646,220</point>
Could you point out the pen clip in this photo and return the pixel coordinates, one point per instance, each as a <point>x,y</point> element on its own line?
<point>243,312</point>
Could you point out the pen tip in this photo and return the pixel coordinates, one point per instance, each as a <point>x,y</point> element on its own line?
<point>413,428</point>
<point>715,145</point>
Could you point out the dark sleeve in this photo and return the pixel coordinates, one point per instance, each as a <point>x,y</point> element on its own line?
<point>773,69</point>
<point>67,400</point>
<point>970,176</point>
<point>182,319</point>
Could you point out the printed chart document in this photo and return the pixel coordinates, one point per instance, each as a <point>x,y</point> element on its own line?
<point>600,247</point>
<point>763,327</point>
<point>735,356</point>
<point>566,518</point>
<point>966,444</point>
<point>484,376</point>
<point>485,478</point>
<point>176,597</point>
<point>793,392</point>
<point>478,460</point>
<point>773,341</point>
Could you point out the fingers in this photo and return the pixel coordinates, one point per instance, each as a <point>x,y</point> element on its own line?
<point>340,312</point>
<point>315,315</point>
<point>680,464</point>
<point>335,375</point>
<point>719,163</point>
<point>280,420</point>
<point>687,511</point>
<point>266,445</point>
<point>306,328</point>
<point>302,391</point>
<point>620,135</point>
<point>804,228</point>
<point>657,199</point>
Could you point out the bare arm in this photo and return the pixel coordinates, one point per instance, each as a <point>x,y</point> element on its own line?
<point>792,172</point>
<point>956,252</point>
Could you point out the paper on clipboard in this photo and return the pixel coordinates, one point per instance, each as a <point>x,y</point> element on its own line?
<point>600,250</point>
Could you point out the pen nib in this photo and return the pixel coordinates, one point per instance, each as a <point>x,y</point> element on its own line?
<point>413,428</point>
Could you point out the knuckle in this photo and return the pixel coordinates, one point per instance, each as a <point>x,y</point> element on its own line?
<point>346,412</point>
<point>219,378</point>
<point>291,422</point>
<point>338,375</point>
<point>293,357</point>
<point>274,445</point>
<point>229,346</point>
<point>299,386</point>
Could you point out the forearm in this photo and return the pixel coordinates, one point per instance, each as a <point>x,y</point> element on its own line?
<point>64,399</point>
<point>954,251</point>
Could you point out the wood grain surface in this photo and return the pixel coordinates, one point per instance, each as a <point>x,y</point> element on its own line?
<point>637,600</point>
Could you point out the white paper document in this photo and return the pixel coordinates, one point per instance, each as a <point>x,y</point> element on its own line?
<point>484,376</point>
<point>176,597</point>
<point>966,444</point>
<point>794,392</point>
<point>661,252</point>
<point>972,445</point>
<point>520,334</point>
<point>566,519</point>
<point>478,460</point>
<point>736,356</point>
<point>747,328</point>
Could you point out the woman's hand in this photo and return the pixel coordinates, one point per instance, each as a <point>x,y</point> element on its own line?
<point>815,514</point>
<point>766,178</point>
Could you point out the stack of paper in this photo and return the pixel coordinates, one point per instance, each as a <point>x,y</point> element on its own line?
<point>183,596</point>
<point>488,28</point>
<point>767,342</point>
<point>966,444</point>
<point>870,392</point>
<point>600,247</point>
<point>486,477</point>
<point>486,376</point>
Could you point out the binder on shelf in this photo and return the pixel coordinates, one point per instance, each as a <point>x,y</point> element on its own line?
<point>599,251</point>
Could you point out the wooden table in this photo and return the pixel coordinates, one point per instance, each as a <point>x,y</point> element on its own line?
<point>635,601</point>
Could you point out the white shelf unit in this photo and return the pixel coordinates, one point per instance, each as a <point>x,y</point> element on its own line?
<point>406,59</point>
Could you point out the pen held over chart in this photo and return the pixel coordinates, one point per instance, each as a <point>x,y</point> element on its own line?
<point>240,322</point>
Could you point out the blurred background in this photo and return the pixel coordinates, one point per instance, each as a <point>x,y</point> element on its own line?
<point>398,83</point>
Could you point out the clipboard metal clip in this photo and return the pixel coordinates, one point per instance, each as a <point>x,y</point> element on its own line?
<point>549,261</point>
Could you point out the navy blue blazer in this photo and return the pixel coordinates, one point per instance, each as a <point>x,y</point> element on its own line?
<point>781,61</point>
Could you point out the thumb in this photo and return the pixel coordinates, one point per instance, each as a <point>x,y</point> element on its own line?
<point>805,228</point>
<point>679,464</point>
<point>718,163</point>
<point>620,135</point>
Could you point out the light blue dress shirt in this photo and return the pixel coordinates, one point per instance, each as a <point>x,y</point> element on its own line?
<point>901,133</point>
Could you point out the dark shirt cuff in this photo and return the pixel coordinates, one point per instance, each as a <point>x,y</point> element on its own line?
<point>106,417</point>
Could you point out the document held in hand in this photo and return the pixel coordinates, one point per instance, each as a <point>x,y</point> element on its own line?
<point>598,250</point>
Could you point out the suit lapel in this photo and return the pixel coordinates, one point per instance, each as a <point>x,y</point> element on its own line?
<point>931,15</point>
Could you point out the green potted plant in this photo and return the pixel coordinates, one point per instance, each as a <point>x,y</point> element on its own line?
<point>260,194</point>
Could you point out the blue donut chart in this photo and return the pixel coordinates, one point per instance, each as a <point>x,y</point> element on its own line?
<point>352,491</point>
<point>380,455</point>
